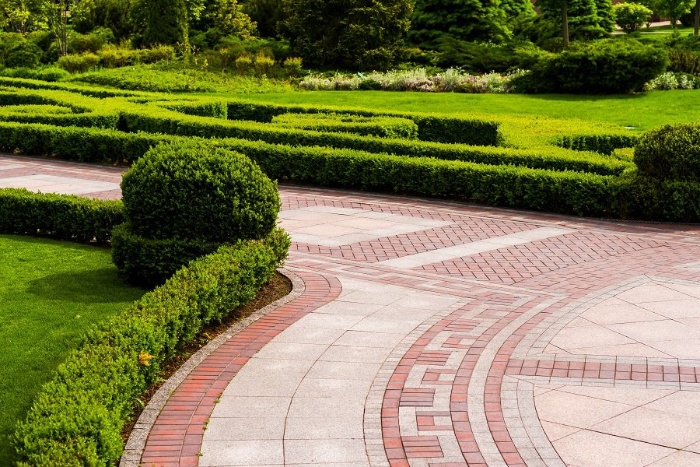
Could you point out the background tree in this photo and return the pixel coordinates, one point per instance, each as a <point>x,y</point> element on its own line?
<point>87,15</point>
<point>461,20</point>
<point>631,16</point>
<point>24,16</point>
<point>229,19</point>
<point>350,34</point>
<point>578,19</point>
<point>161,21</point>
<point>266,14</point>
<point>673,9</point>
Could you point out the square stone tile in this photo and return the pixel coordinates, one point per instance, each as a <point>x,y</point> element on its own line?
<point>678,459</point>
<point>222,429</point>
<point>291,350</point>
<point>325,428</point>
<point>245,453</point>
<point>304,407</point>
<point>382,324</point>
<point>588,336</point>
<point>339,389</point>
<point>591,449</point>
<point>575,410</point>
<point>653,426</point>
<point>369,339</point>
<point>616,311</point>
<point>651,292</point>
<point>251,407</point>
<point>324,450</point>
<point>344,353</point>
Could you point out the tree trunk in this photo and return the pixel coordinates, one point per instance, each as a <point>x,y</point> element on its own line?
<point>565,24</point>
<point>696,19</point>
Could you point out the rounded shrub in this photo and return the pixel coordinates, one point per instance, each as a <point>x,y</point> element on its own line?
<point>191,191</point>
<point>631,16</point>
<point>608,66</point>
<point>671,152</point>
<point>184,200</point>
<point>25,54</point>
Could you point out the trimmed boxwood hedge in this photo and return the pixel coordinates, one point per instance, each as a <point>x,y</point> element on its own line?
<point>189,190</point>
<point>386,127</point>
<point>77,418</point>
<point>671,152</point>
<point>64,217</point>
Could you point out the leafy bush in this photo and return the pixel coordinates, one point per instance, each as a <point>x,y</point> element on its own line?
<point>188,191</point>
<point>50,74</point>
<point>64,217</point>
<point>292,66</point>
<point>182,201</point>
<point>669,81</point>
<point>631,16</point>
<point>78,63</point>
<point>25,54</point>
<point>263,65</point>
<point>149,262</point>
<point>609,66</point>
<point>78,416</point>
<point>671,152</point>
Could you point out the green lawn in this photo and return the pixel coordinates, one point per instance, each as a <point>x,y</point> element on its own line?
<point>50,293</point>
<point>641,111</point>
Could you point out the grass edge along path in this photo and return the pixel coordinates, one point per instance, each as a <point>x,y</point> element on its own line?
<point>51,293</point>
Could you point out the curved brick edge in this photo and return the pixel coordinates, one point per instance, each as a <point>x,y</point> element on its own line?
<point>170,429</point>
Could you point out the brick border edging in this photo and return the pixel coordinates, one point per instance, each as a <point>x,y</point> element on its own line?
<point>137,444</point>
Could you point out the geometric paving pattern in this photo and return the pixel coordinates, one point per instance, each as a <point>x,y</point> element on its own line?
<point>448,335</point>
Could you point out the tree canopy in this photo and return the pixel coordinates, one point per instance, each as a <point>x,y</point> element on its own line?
<point>351,34</point>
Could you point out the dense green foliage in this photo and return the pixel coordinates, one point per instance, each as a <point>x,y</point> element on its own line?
<point>161,21</point>
<point>436,21</point>
<point>182,201</point>
<point>350,34</point>
<point>78,416</point>
<point>631,16</point>
<point>388,127</point>
<point>671,152</point>
<point>58,216</point>
<point>187,191</point>
<point>51,293</point>
<point>602,67</point>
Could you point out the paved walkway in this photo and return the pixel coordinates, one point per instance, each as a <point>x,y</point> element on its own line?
<point>426,333</point>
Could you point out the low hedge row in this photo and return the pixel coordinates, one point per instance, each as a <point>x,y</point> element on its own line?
<point>602,143</point>
<point>65,217</point>
<point>91,91</point>
<point>206,108</point>
<point>563,192</point>
<point>386,127</point>
<point>77,418</point>
<point>78,144</point>
<point>479,131</point>
<point>550,158</point>
<point>356,169</point>
<point>103,145</point>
